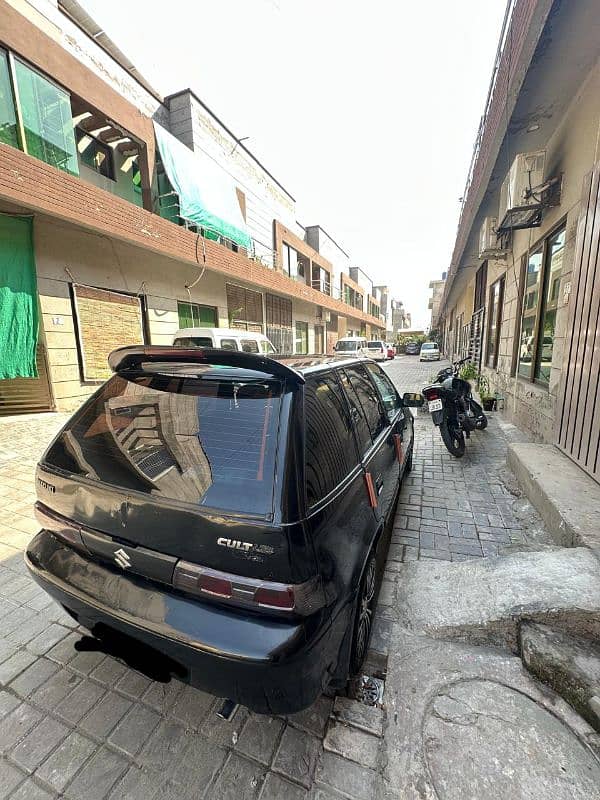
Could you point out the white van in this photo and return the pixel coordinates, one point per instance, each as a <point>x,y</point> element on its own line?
<point>225,338</point>
<point>352,346</point>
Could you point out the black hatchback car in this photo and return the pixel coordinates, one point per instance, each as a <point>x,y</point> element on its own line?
<point>224,514</point>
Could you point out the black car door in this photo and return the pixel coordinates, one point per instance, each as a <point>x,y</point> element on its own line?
<point>400,418</point>
<point>380,455</point>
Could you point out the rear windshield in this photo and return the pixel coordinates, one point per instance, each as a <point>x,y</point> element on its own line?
<point>374,345</point>
<point>428,346</point>
<point>346,347</point>
<point>206,441</point>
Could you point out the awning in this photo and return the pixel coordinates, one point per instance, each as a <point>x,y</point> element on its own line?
<point>207,195</point>
<point>18,299</point>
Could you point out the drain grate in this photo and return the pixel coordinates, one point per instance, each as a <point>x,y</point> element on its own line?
<point>369,690</point>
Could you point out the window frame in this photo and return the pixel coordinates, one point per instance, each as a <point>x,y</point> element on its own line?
<point>100,146</point>
<point>492,363</point>
<point>193,306</point>
<point>543,242</point>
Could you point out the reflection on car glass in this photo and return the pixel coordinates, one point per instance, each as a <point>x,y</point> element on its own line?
<point>209,442</point>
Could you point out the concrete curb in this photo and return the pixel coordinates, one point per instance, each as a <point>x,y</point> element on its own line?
<point>565,497</point>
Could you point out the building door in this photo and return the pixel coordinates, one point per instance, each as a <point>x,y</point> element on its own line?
<point>578,422</point>
<point>24,386</point>
<point>279,323</point>
<point>319,338</point>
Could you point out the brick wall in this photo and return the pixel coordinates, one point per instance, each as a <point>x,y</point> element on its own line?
<point>39,187</point>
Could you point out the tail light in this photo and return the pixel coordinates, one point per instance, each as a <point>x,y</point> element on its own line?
<point>431,394</point>
<point>300,598</point>
<point>63,528</point>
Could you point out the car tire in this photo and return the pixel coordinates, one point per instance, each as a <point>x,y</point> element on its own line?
<point>363,622</point>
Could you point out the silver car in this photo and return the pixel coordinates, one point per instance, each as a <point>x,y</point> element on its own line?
<point>429,352</point>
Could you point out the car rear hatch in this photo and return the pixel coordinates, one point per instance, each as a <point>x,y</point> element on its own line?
<point>174,460</point>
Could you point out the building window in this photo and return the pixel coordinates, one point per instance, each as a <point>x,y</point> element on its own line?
<point>495,322</point>
<point>294,263</point>
<point>321,279</point>
<point>301,337</point>
<point>105,320</point>
<point>193,315</point>
<point>96,155</point>
<point>46,113</point>
<point>8,117</point>
<point>244,308</point>
<point>540,302</point>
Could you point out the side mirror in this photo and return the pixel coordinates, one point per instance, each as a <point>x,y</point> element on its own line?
<point>413,399</point>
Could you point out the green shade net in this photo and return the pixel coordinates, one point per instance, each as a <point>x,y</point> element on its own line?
<point>47,120</point>
<point>206,192</point>
<point>18,299</point>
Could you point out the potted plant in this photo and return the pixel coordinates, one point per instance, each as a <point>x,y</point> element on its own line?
<point>488,401</point>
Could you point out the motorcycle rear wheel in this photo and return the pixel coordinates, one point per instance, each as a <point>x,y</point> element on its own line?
<point>453,439</point>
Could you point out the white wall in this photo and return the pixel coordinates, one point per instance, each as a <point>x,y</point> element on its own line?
<point>265,199</point>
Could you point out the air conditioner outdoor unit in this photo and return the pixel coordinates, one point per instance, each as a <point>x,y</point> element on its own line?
<point>488,245</point>
<point>518,207</point>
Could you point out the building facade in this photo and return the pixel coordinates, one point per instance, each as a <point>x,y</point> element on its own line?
<point>437,291</point>
<point>522,293</point>
<point>96,187</point>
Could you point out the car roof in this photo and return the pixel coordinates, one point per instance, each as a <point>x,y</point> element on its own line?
<point>233,332</point>
<point>308,364</point>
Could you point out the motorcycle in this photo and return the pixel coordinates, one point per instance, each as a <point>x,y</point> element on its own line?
<point>453,408</point>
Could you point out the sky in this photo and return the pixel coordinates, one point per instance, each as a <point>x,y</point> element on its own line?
<point>365,111</point>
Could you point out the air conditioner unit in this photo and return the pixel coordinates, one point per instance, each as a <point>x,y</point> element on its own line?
<point>518,207</point>
<point>487,237</point>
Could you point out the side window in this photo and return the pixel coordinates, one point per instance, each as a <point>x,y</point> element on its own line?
<point>330,450</point>
<point>369,400</point>
<point>359,421</point>
<point>249,345</point>
<point>229,344</point>
<point>388,393</point>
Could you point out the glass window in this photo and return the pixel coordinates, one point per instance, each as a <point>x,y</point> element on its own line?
<point>530,304</point>
<point>301,337</point>
<point>266,347</point>
<point>365,407</point>
<point>46,112</point>
<point>193,341</point>
<point>95,154</point>
<point>330,450</point>
<point>229,344</point>
<point>387,390</point>
<point>249,345</point>
<point>495,321</point>
<point>8,118</point>
<point>204,442</point>
<point>193,315</point>
<point>553,270</point>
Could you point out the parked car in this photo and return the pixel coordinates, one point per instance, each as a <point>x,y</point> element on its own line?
<point>412,349</point>
<point>429,352</point>
<point>226,338</point>
<point>352,346</point>
<point>377,350</point>
<point>391,351</point>
<point>227,515</point>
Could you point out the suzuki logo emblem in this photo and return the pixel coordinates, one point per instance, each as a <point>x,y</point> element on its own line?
<point>122,558</point>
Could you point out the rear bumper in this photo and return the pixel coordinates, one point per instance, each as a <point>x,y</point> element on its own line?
<point>270,665</point>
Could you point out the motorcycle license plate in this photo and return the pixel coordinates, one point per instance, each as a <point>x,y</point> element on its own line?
<point>435,405</point>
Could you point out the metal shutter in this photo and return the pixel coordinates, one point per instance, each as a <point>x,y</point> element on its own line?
<point>244,308</point>
<point>26,395</point>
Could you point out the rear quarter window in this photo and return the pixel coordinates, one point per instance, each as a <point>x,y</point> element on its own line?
<point>208,442</point>
<point>330,452</point>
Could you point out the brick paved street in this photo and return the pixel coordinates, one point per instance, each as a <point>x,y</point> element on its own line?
<point>81,725</point>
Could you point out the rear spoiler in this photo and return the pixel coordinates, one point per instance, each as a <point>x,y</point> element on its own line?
<point>125,358</point>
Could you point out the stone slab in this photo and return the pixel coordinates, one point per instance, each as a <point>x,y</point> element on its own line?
<point>470,722</point>
<point>570,665</point>
<point>484,601</point>
<point>566,498</point>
